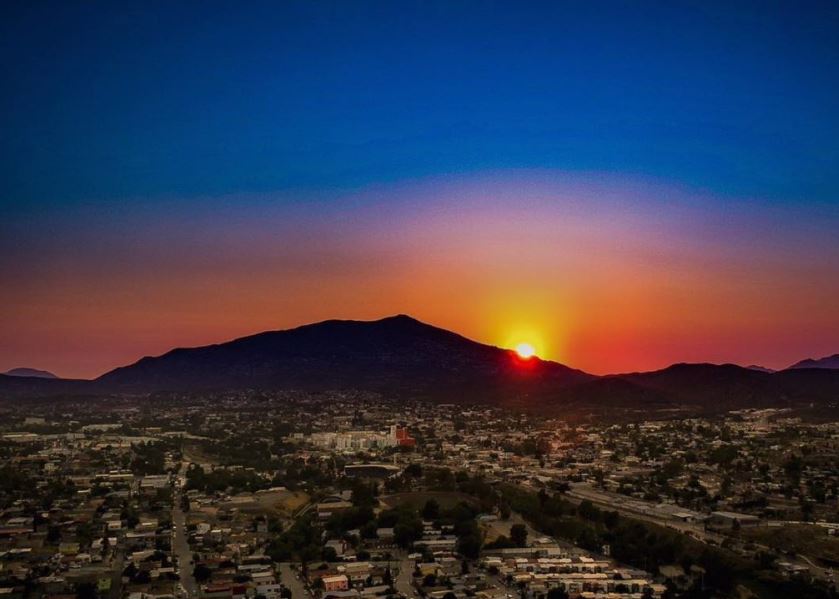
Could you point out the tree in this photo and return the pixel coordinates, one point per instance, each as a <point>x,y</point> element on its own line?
<point>54,535</point>
<point>363,494</point>
<point>329,554</point>
<point>414,470</point>
<point>587,510</point>
<point>504,511</point>
<point>86,590</point>
<point>469,545</point>
<point>431,510</point>
<point>806,510</point>
<point>201,573</point>
<point>407,530</point>
<point>518,534</point>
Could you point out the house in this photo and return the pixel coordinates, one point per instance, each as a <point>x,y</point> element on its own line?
<point>336,583</point>
<point>356,571</point>
<point>339,545</point>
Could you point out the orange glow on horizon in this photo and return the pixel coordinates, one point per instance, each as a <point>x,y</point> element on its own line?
<point>600,276</point>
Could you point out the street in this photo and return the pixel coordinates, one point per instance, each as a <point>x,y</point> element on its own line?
<point>402,582</point>
<point>180,542</point>
<point>289,578</point>
<point>117,566</point>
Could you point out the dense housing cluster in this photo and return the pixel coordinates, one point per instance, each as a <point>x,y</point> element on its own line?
<point>348,495</point>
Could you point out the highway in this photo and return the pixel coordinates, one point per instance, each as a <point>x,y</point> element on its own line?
<point>579,493</point>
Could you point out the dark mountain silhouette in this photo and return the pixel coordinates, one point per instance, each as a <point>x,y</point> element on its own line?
<point>826,362</point>
<point>41,374</point>
<point>401,357</point>
<point>759,368</point>
<point>397,356</point>
<point>33,386</point>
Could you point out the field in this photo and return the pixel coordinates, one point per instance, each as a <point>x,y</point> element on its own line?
<point>418,499</point>
<point>283,503</point>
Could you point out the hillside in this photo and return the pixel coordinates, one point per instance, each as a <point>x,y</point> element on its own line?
<point>397,355</point>
<point>31,372</point>
<point>830,362</point>
<point>403,358</point>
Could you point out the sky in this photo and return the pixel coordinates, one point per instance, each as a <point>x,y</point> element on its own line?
<point>622,185</point>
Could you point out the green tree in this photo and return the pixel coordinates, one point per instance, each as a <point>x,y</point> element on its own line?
<point>201,573</point>
<point>518,534</point>
<point>431,510</point>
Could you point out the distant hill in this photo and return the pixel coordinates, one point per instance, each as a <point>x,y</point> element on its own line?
<point>831,362</point>
<point>759,368</point>
<point>727,386</point>
<point>402,358</point>
<point>397,356</point>
<point>41,374</point>
<point>32,386</point>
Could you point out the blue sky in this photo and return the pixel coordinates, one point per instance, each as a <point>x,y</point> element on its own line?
<point>108,101</point>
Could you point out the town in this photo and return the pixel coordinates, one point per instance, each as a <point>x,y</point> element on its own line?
<point>309,496</point>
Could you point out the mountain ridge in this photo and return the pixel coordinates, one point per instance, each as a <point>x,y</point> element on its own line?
<point>384,355</point>
<point>401,357</point>
<point>30,372</point>
<point>828,362</point>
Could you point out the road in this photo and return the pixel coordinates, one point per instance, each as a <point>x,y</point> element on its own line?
<point>289,578</point>
<point>117,566</point>
<point>815,569</point>
<point>402,582</point>
<point>180,542</point>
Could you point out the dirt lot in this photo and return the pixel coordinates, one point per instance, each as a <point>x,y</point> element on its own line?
<point>284,503</point>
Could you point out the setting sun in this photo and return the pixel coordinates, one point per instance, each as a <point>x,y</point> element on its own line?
<point>525,350</point>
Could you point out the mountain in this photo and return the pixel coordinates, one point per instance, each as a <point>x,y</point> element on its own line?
<point>759,368</point>
<point>397,356</point>
<point>41,374</point>
<point>831,362</point>
<point>403,358</point>
<point>12,386</point>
